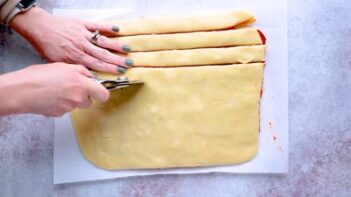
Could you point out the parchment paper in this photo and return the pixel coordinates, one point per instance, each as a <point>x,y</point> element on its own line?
<point>272,157</point>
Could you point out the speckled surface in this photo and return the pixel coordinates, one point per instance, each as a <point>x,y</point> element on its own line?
<point>320,121</point>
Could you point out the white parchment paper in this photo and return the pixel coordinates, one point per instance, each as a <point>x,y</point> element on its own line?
<point>272,157</point>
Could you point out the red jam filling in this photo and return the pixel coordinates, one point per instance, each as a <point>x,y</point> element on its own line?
<point>263,38</point>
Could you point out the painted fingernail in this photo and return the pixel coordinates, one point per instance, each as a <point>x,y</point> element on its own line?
<point>125,48</point>
<point>93,73</point>
<point>121,70</point>
<point>129,62</point>
<point>115,28</point>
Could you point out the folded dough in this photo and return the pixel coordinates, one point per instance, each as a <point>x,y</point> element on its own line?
<point>173,24</point>
<point>180,117</point>
<point>245,36</point>
<point>203,56</point>
<point>192,110</point>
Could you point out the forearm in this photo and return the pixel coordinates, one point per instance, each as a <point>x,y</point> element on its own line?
<point>10,86</point>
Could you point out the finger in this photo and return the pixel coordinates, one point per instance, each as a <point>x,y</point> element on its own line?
<point>86,103</point>
<point>97,91</point>
<point>106,56</point>
<point>104,28</point>
<point>82,70</point>
<point>115,45</point>
<point>98,65</point>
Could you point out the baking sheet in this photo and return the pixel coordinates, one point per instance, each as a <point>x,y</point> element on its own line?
<point>272,157</point>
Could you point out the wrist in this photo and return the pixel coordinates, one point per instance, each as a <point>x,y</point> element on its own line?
<point>26,22</point>
<point>10,93</point>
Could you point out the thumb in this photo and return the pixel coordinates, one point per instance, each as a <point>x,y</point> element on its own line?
<point>96,90</point>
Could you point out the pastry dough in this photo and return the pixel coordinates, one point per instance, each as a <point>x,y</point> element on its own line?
<point>204,56</point>
<point>192,110</point>
<point>175,24</point>
<point>246,36</point>
<point>180,117</point>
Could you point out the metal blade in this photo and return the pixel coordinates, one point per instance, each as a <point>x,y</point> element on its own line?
<point>125,84</point>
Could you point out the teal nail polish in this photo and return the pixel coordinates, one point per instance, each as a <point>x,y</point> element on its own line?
<point>93,73</point>
<point>129,62</point>
<point>121,70</point>
<point>115,28</point>
<point>125,48</point>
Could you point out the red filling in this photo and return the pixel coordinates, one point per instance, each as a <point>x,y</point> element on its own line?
<point>263,38</point>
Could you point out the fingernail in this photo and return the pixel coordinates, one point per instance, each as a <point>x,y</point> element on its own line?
<point>125,48</point>
<point>115,28</point>
<point>121,70</point>
<point>129,62</point>
<point>93,73</point>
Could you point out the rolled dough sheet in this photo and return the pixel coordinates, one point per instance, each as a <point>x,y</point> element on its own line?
<point>203,56</point>
<point>174,24</point>
<point>180,117</point>
<point>245,36</point>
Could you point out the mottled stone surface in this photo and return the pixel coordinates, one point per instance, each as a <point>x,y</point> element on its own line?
<point>320,120</point>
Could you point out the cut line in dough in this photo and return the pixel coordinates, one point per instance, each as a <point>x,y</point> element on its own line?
<point>175,24</point>
<point>203,56</point>
<point>158,42</point>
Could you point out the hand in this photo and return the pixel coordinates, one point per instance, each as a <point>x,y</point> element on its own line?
<point>60,39</point>
<point>50,90</point>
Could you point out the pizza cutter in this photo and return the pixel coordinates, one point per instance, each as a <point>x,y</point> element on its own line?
<point>120,82</point>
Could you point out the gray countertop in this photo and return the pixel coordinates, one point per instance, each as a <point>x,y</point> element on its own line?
<point>319,110</point>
